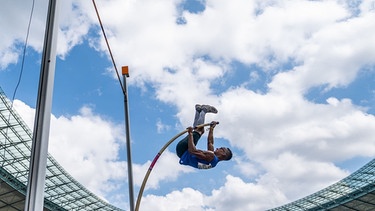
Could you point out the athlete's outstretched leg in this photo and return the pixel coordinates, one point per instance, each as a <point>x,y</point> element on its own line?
<point>197,118</point>
<point>200,113</point>
<point>200,120</point>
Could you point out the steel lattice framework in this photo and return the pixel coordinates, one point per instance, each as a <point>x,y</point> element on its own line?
<point>355,192</point>
<point>62,192</point>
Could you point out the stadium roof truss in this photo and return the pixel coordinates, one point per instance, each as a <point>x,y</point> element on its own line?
<point>62,192</point>
<point>355,192</point>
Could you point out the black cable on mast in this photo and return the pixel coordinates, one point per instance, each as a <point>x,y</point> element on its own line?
<point>109,49</point>
<point>24,51</point>
<point>22,66</point>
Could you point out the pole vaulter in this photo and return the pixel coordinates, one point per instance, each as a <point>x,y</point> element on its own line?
<point>156,159</point>
<point>186,148</point>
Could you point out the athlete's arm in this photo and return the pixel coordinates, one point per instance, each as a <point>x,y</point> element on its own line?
<point>204,155</point>
<point>191,145</point>
<point>210,138</point>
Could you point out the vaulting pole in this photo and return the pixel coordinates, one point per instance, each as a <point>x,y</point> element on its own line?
<point>154,162</point>
<point>39,149</point>
<point>125,73</point>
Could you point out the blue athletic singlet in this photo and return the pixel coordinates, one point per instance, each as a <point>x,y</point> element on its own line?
<point>192,160</point>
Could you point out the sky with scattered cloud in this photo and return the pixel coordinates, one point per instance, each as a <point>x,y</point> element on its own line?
<point>293,81</point>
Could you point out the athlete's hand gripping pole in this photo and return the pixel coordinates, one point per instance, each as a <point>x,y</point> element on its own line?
<point>156,159</point>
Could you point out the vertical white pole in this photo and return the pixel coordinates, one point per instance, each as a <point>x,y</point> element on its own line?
<point>125,73</point>
<point>39,149</point>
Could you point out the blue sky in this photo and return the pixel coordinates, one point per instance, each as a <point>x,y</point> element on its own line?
<point>293,82</point>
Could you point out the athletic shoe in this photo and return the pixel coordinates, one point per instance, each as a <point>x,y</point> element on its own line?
<point>209,109</point>
<point>198,108</point>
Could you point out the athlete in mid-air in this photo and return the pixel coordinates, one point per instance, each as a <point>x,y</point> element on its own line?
<point>202,159</point>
